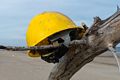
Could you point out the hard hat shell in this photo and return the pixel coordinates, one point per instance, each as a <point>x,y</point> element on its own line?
<point>46,24</point>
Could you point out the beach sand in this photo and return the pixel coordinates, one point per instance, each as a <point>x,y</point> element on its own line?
<point>18,66</point>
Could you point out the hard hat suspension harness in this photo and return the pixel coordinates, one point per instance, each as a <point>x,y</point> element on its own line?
<point>63,39</point>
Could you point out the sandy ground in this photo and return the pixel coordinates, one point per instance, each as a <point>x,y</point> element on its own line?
<point>18,66</point>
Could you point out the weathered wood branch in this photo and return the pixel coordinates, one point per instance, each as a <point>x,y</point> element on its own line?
<point>101,35</point>
<point>115,55</point>
<point>40,48</point>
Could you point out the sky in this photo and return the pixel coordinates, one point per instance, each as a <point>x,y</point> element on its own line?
<point>15,15</point>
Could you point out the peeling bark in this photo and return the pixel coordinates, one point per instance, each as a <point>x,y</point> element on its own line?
<point>101,34</point>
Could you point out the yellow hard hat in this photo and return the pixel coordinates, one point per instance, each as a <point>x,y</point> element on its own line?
<point>46,24</point>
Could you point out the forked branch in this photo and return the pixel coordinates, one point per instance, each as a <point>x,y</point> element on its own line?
<point>100,35</point>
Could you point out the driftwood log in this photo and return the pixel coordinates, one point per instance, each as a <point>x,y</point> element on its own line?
<point>103,35</point>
